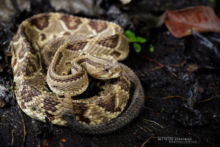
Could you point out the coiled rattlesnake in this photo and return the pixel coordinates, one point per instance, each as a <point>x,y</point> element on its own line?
<point>52,56</point>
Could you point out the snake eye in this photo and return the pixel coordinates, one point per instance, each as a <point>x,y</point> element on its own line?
<point>61,96</point>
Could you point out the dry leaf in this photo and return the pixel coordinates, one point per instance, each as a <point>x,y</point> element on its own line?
<point>200,18</point>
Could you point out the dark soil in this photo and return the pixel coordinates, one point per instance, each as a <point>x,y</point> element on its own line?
<point>181,79</point>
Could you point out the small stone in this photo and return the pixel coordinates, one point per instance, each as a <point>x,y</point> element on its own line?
<point>125,1</point>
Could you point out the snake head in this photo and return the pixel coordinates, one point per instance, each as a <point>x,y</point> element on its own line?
<point>105,67</point>
<point>108,70</point>
<point>111,71</point>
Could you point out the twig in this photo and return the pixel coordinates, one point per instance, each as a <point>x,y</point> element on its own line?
<point>12,137</point>
<point>144,129</point>
<point>209,99</point>
<point>146,141</point>
<point>156,68</point>
<point>147,128</point>
<point>153,127</point>
<point>147,120</point>
<point>158,63</point>
<point>152,60</point>
<point>174,96</point>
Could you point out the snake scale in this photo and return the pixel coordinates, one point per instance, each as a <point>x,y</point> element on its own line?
<point>54,58</point>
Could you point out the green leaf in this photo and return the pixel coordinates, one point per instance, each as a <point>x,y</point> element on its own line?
<point>162,109</point>
<point>137,47</point>
<point>11,88</point>
<point>130,34</point>
<point>133,39</point>
<point>151,49</point>
<point>211,1</point>
<point>141,39</point>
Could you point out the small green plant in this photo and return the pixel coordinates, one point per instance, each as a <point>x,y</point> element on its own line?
<point>136,40</point>
<point>211,1</point>
<point>151,49</point>
<point>11,88</point>
<point>162,109</point>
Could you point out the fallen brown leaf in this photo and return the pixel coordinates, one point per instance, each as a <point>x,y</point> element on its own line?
<point>199,18</point>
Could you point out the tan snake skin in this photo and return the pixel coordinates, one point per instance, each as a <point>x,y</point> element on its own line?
<point>54,55</point>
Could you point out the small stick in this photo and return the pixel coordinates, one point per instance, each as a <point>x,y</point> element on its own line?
<point>174,96</point>
<point>152,60</point>
<point>145,129</point>
<point>12,137</point>
<point>146,141</point>
<point>209,99</point>
<point>147,120</point>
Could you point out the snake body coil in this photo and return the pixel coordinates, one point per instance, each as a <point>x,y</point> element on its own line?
<point>53,56</point>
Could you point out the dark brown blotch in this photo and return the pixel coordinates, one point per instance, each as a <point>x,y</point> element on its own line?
<point>109,42</point>
<point>30,68</point>
<point>28,93</point>
<point>50,104</point>
<point>66,33</point>
<point>124,84</point>
<point>40,22</point>
<point>71,22</point>
<point>76,46</point>
<point>97,26</point>
<point>80,110</point>
<point>109,104</point>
